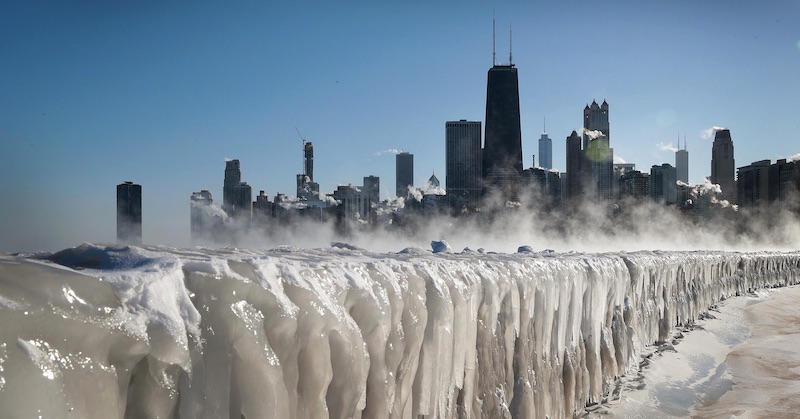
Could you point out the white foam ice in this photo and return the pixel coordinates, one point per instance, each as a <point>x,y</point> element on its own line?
<point>202,333</point>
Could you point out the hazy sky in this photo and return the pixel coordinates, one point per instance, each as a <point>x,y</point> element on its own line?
<point>95,93</point>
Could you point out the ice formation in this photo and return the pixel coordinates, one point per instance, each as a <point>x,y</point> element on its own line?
<point>103,332</point>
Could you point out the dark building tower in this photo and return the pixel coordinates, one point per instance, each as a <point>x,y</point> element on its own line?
<point>595,118</point>
<point>597,149</point>
<point>502,150</point>
<point>308,160</point>
<point>575,163</point>
<point>242,203</point>
<point>723,166</point>
<point>233,176</point>
<point>129,213</point>
<point>307,189</point>
<point>463,164</point>
<point>404,173</point>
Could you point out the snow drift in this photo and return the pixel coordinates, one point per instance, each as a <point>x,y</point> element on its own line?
<point>146,332</point>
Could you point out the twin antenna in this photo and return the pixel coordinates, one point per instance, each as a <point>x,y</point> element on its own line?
<point>494,43</point>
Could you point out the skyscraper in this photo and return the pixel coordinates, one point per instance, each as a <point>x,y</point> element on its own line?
<point>575,163</point>
<point>242,202</point>
<point>597,150</point>
<point>502,150</point>
<point>129,213</point>
<point>682,163</point>
<point>233,176</point>
<point>545,152</point>
<point>308,160</point>
<point>663,186</point>
<point>464,163</point>
<point>404,173</point>
<point>307,189</point>
<point>201,217</point>
<point>723,166</point>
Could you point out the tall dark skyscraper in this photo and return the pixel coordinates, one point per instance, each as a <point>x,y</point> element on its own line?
<point>129,213</point>
<point>599,156</point>
<point>233,176</point>
<point>404,173</point>
<point>723,167</point>
<point>308,160</point>
<point>463,163</point>
<point>307,189</point>
<point>502,150</point>
<point>575,164</point>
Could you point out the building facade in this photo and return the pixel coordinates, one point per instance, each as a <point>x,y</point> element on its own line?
<point>129,213</point>
<point>598,154</point>
<point>723,165</point>
<point>545,152</point>
<point>404,173</point>
<point>682,164</point>
<point>233,176</point>
<point>463,164</point>
<point>502,150</point>
<point>663,183</point>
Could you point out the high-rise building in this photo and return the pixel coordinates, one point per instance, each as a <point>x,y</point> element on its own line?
<point>242,202</point>
<point>575,163</point>
<point>682,163</point>
<point>752,184</point>
<point>723,166</point>
<point>233,176</point>
<point>502,150</point>
<point>545,152</point>
<point>663,183</point>
<point>404,173</point>
<point>201,215</point>
<point>372,187</point>
<point>307,189</point>
<point>784,180</point>
<point>599,156</point>
<point>129,213</point>
<point>308,160</point>
<point>463,161</point>
<point>595,118</point>
<point>634,184</point>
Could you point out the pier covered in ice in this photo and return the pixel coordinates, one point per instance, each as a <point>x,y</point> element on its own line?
<point>132,332</point>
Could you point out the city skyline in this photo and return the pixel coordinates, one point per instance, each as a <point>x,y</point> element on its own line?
<point>92,101</point>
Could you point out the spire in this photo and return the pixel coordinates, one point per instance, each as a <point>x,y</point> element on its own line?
<point>544,122</point>
<point>510,44</point>
<point>494,41</point>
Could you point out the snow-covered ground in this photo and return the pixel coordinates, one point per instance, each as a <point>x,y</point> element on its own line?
<point>742,361</point>
<point>104,331</point>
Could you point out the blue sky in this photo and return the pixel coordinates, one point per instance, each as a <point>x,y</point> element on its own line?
<point>160,93</point>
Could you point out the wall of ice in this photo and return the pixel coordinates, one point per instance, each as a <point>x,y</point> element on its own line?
<point>164,333</point>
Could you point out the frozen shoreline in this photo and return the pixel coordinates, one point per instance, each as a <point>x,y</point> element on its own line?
<point>743,362</point>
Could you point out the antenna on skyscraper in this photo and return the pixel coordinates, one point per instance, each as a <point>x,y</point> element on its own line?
<point>494,41</point>
<point>544,123</point>
<point>510,61</point>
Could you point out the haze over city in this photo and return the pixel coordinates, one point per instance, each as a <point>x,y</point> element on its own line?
<point>162,94</point>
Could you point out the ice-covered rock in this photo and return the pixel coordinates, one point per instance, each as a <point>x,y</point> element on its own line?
<point>440,246</point>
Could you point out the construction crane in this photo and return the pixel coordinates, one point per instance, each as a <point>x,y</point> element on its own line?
<point>304,147</point>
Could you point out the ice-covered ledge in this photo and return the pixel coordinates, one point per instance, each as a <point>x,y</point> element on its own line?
<point>157,332</point>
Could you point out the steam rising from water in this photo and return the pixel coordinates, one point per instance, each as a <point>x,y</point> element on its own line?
<point>588,226</point>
